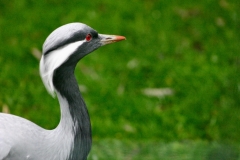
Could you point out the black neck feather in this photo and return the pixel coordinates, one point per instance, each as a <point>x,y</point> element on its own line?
<point>66,84</point>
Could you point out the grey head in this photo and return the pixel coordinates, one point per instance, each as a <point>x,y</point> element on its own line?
<point>68,44</point>
<point>71,33</point>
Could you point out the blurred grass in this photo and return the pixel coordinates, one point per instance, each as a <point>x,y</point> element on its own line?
<point>153,150</point>
<point>189,46</point>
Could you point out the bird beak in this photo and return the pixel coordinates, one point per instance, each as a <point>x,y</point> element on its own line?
<point>108,39</point>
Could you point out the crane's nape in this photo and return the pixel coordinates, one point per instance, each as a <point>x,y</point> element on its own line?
<point>71,140</point>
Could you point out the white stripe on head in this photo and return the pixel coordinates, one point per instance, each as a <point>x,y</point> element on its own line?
<point>53,60</point>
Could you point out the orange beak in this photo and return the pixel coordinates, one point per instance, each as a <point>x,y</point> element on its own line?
<point>108,39</point>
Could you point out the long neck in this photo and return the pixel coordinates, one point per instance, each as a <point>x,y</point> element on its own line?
<point>67,87</point>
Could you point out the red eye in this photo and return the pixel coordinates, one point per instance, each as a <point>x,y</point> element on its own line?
<point>88,37</point>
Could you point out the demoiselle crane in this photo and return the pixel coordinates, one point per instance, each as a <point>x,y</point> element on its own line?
<point>21,139</point>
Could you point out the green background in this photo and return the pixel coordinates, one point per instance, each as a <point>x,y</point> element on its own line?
<point>189,47</point>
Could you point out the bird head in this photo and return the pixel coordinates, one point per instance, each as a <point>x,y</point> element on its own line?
<point>68,44</point>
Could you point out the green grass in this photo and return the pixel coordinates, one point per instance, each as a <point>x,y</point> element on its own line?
<point>190,47</point>
<point>152,150</point>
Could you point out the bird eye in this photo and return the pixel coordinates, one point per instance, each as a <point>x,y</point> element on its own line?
<point>88,37</point>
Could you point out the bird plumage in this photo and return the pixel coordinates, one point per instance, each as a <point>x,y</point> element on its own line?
<point>62,46</point>
<point>21,139</point>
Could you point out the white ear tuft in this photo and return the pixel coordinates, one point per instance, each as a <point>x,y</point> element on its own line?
<point>46,78</point>
<point>53,60</point>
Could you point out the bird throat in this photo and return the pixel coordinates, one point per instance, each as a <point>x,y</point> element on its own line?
<point>66,85</point>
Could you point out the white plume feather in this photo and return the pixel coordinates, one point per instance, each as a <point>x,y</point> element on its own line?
<point>53,60</point>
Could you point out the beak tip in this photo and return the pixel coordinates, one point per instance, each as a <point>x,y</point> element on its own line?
<point>120,38</point>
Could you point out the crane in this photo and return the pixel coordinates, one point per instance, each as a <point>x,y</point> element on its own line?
<point>21,139</point>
